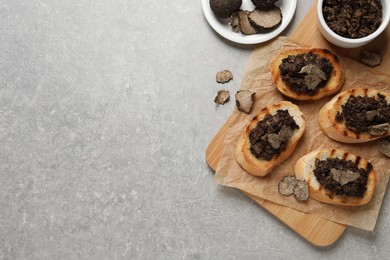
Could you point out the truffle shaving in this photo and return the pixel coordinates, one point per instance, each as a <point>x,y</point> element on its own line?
<point>224,76</point>
<point>244,100</point>
<point>265,20</point>
<point>312,81</point>
<point>370,115</point>
<point>344,177</point>
<point>314,75</point>
<point>235,22</point>
<point>286,185</point>
<point>313,69</point>
<point>370,59</point>
<point>384,146</point>
<point>245,25</point>
<point>285,133</point>
<point>301,190</point>
<point>222,97</point>
<point>378,130</point>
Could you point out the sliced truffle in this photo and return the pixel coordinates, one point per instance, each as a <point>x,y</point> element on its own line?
<point>225,8</point>
<point>224,76</point>
<point>301,190</point>
<point>245,26</point>
<point>370,59</point>
<point>275,140</point>
<point>235,22</point>
<point>244,100</point>
<point>286,185</point>
<point>265,20</point>
<point>370,115</point>
<point>222,97</point>
<point>285,133</point>
<point>378,130</point>
<point>344,177</point>
<point>311,81</point>
<point>264,4</point>
<point>313,69</point>
<point>384,146</point>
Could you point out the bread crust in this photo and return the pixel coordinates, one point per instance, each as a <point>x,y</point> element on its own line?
<point>338,130</point>
<point>304,170</point>
<point>261,167</point>
<point>333,85</point>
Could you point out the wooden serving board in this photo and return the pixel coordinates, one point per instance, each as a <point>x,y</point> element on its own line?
<point>317,230</point>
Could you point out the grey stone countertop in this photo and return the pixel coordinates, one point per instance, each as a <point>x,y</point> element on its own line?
<point>106,109</point>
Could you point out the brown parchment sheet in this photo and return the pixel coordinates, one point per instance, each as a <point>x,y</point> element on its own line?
<point>258,79</point>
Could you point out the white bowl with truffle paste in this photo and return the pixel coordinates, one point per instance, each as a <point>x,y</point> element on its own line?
<point>352,26</point>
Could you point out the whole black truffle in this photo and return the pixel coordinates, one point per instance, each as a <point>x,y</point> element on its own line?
<point>264,4</point>
<point>225,8</point>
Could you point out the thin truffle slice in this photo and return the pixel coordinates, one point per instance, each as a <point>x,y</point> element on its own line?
<point>384,146</point>
<point>224,76</point>
<point>235,22</point>
<point>370,59</point>
<point>245,26</point>
<point>244,100</point>
<point>344,176</point>
<point>222,97</point>
<point>301,190</point>
<point>286,185</point>
<point>265,20</point>
<point>378,130</point>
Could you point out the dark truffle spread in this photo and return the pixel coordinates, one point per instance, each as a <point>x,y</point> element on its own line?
<point>342,177</point>
<point>270,136</point>
<point>352,18</point>
<point>306,73</point>
<point>366,114</point>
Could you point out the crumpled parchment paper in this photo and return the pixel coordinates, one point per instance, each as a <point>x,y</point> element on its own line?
<point>258,79</point>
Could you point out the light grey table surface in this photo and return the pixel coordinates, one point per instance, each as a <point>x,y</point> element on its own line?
<point>106,109</point>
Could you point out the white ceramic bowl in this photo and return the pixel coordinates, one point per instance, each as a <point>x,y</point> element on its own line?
<point>347,42</point>
<point>222,26</point>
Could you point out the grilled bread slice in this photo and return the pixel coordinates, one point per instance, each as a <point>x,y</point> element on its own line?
<point>337,130</point>
<point>332,85</point>
<point>304,170</point>
<point>259,166</point>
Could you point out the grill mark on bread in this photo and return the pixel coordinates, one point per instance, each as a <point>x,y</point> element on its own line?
<point>345,156</point>
<point>332,153</point>
<point>357,160</point>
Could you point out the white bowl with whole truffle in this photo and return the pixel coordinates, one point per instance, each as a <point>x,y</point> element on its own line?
<point>352,25</point>
<point>249,21</point>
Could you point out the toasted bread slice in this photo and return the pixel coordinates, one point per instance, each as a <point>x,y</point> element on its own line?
<point>338,130</point>
<point>258,166</point>
<point>304,170</point>
<point>333,84</point>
